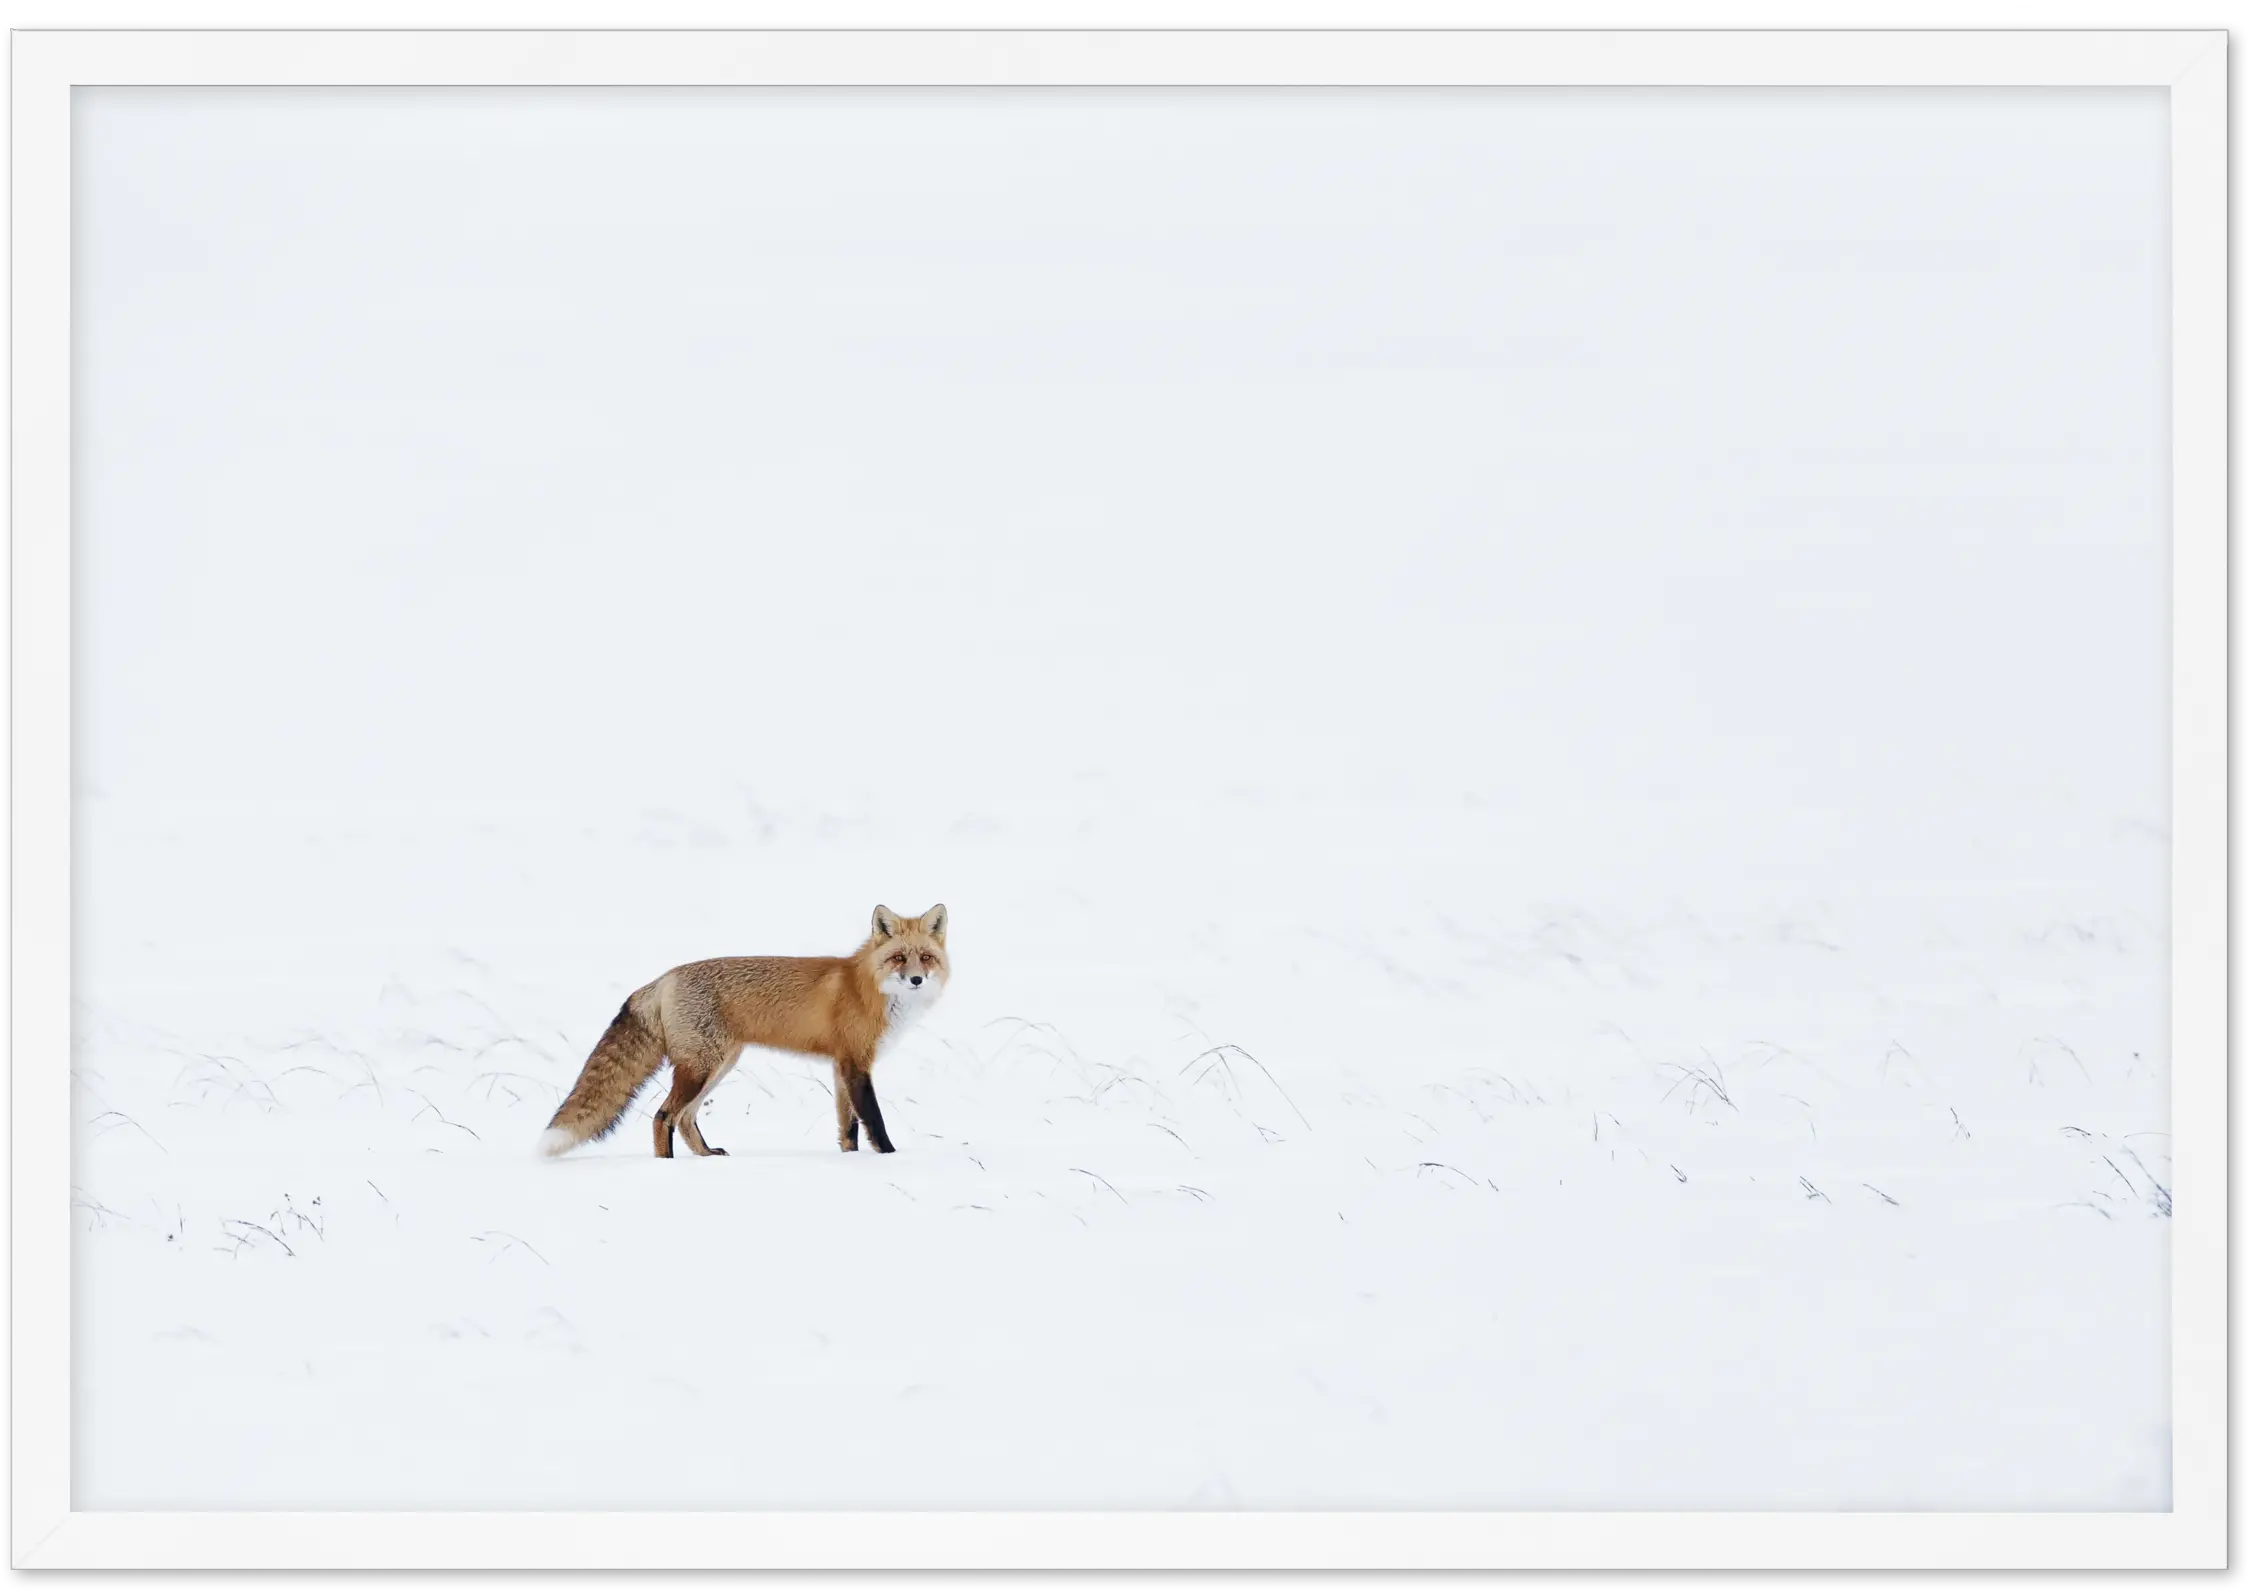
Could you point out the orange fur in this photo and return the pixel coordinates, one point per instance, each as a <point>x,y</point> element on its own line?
<point>701,1015</point>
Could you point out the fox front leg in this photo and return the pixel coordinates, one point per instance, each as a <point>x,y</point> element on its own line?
<point>843,1106</point>
<point>843,1101</point>
<point>867,1108</point>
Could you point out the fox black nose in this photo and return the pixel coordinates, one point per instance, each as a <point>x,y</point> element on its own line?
<point>917,978</point>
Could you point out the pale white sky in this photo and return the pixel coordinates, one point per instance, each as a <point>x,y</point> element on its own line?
<point>501,447</point>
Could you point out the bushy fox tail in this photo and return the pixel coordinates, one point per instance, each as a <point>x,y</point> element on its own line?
<point>622,1062</point>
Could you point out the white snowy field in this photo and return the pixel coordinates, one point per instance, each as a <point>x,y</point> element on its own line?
<point>1542,717</point>
<point>1348,1175</point>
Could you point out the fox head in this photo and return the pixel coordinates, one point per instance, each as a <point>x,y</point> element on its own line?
<point>909,954</point>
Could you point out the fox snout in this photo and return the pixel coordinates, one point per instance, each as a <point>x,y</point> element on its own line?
<point>913,975</point>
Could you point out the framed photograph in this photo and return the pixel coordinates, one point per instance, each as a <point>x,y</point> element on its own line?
<point>1076,799</point>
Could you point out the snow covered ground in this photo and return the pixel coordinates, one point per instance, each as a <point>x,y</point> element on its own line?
<point>1563,915</point>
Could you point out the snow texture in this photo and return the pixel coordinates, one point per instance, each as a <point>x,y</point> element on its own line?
<point>1542,718</point>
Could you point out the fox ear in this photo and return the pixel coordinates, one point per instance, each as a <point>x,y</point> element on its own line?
<point>884,924</point>
<point>937,922</point>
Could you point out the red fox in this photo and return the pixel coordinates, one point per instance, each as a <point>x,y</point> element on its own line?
<point>701,1016</point>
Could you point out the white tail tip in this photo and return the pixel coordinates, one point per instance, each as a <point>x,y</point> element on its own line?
<point>554,1142</point>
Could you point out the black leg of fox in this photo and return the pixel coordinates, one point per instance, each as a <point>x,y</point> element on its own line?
<point>866,1106</point>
